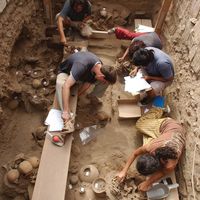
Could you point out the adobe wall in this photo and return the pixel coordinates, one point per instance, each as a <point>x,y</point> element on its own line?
<point>182,42</point>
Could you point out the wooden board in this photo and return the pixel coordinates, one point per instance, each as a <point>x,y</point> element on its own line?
<point>162,15</point>
<point>52,175</point>
<point>48,10</point>
<point>53,171</point>
<point>128,108</point>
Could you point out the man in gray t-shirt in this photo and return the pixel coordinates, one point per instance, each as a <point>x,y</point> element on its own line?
<point>84,67</point>
<point>74,12</point>
<point>157,68</point>
<point>150,39</point>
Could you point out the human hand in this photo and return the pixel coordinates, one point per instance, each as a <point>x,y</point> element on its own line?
<point>133,72</point>
<point>144,186</point>
<point>121,59</point>
<point>66,116</point>
<point>121,176</point>
<point>63,40</point>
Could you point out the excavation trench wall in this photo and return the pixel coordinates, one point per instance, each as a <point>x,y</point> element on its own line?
<point>13,15</point>
<point>182,39</point>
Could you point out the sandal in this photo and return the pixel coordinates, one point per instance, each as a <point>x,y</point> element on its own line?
<point>58,140</point>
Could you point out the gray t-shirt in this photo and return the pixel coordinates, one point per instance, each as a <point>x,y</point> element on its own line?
<point>161,66</point>
<point>79,65</point>
<point>150,39</point>
<point>68,11</point>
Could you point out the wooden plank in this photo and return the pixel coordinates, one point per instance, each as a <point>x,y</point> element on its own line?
<point>48,10</point>
<point>53,171</point>
<point>162,15</point>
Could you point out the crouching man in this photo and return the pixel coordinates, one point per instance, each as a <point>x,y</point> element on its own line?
<point>83,67</point>
<point>164,140</point>
<point>74,13</point>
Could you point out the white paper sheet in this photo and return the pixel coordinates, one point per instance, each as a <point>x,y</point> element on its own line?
<point>54,120</point>
<point>135,84</point>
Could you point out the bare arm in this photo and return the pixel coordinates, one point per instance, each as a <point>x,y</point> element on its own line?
<point>84,87</point>
<point>124,55</point>
<point>61,30</point>
<point>141,150</point>
<point>157,78</point>
<point>65,95</point>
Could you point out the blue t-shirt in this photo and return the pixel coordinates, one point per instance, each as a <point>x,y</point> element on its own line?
<point>161,66</point>
<point>150,39</point>
<point>68,11</point>
<point>79,65</point>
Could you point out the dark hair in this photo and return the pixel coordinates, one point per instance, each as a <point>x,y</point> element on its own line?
<point>82,2</point>
<point>110,73</point>
<point>135,45</point>
<point>148,164</point>
<point>142,57</point>
<point>165,153</point>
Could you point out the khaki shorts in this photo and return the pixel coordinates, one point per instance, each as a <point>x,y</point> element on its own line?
<point>98,91</point>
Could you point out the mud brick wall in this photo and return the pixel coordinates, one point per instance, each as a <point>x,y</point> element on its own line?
<point>182,42</point>
<point>12,18</point>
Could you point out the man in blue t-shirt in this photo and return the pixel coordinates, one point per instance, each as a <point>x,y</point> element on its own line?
<point>78,11</point>
<point>84,67</point>
<point>157,68</point>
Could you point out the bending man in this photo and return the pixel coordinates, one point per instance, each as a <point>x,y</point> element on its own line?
<point>83,67</point>
<point>74,13</point>
<point>164,139</point>
<point>146,40</point>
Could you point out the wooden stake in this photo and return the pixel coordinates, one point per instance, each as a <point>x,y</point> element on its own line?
<point>162,15</point>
